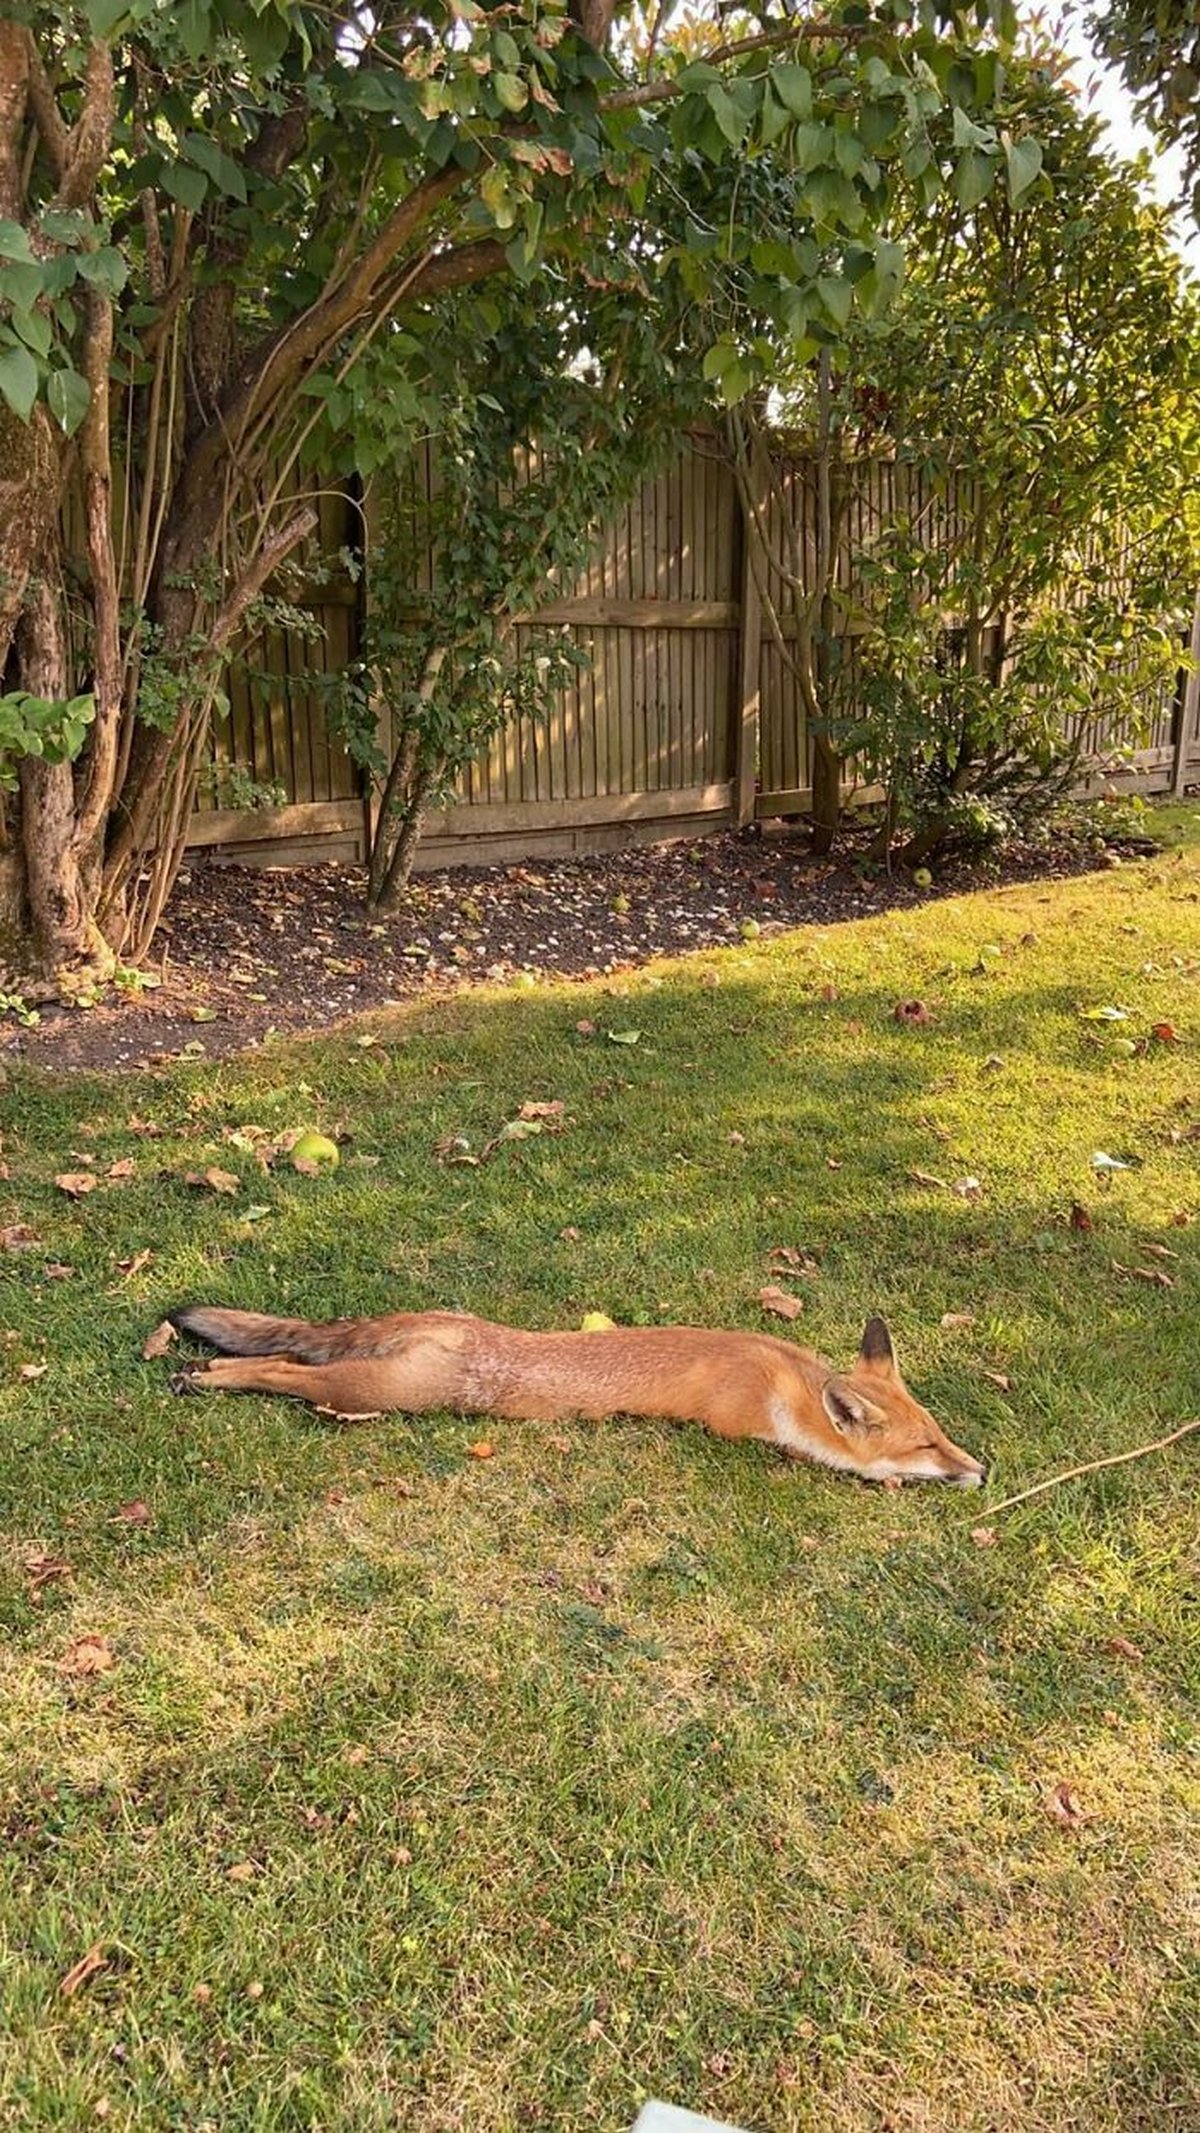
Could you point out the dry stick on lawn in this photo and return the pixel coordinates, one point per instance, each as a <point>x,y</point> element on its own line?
<point>1094,1466</point>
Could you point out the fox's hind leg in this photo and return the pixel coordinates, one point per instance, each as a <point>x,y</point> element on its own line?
<point>355,1389</point>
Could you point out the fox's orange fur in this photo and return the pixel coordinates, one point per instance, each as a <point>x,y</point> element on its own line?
<point>863,1420</point>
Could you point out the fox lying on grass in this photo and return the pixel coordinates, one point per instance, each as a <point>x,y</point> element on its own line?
<point>862,1420</point>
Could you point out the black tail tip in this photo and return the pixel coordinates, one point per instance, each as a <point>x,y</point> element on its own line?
<point>183,1316</point>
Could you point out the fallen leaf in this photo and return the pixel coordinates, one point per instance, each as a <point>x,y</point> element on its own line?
<point>88,1655</point>
<point>585,1028</point>
<point>993,1063</point>
<point>146,1126</point>
<point>957,1318</point>
<point>482,1450</point>
<point>968,1188</point>
<point>29,1371</point>
<point>18,1237</point>
<point>124,1167</point>
<point>554,1109</point>
<point>1122,1648</point>
<point>790,1255</point>
<point>984,1536</point>
<point>1104,1014</point>
<point>569,1235</point>
<point>833,1162</point>
<point>779,1303</point>
<point>1160,1251</point>
<point>1181,1219</point>
<point>1101,1161</point>
<point>135,1513</point>
<point>1156,1275</point>
<point>242,1870</point>
<point>202,1014</point>
<point>213,1180</point>
<point>560,1444</point>
<point>1166,1032</point>
<point>830,992</point>
<point>891,1482</point>
<point>158,1342</point>
<point>624,1036</point>
<point>925,1177</point>
<point>736,1140</point>
<point>56,1270</point>
<point>1080,1218</point>
<point>45,1570</point>
<point>76,1182</point>
<point>455,1148</point>
<point>597,1322</point>
<point>912,1012</point>
<point>85,1968</point>
<point>1064,1807</point>
<point>997,1377</point>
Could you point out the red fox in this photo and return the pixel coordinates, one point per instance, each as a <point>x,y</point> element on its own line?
<point>862,1420</point>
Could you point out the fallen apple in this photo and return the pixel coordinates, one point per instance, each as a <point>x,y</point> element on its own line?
<point>315,1148</point>
<point>922,878</point>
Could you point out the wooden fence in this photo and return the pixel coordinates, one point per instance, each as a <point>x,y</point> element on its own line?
<point>684,718</point>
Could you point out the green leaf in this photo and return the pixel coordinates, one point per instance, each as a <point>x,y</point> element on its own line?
<point>974,176</point>
<point>813,144</point>
<point>732,120</point>
<point>837,297</point>
<point>34,329</point>
<point>793,86</point>
<point>968,135</point>
<point>186,184</point>
<point>18,380</point>
<point>192,20</point>
<point>1024,165</point>
<point>773,119</point>
<point>22,283</point>
<point>14,241</point>
<point>719,358</point>
<point>105,270</point>
<point>66,225</point>
<point>69,398</point>
<point>510,91</point>
<point>103,16</point>
<point>226,175</point>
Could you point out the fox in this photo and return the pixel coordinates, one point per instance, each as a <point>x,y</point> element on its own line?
<point>861,1421</point>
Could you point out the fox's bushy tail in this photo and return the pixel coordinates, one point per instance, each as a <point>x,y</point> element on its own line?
<point>253,1333</point>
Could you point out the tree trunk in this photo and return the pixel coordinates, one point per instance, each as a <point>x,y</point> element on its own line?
<point>59,902</point>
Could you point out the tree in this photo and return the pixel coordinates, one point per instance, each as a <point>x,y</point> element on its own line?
<point>208,214</point>
<point>1156,46</point>
<point>1034,395</point>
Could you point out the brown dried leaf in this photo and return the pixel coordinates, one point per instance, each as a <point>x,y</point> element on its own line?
<point>213,1180</point>
<point>829,991</point>
<point>1122,1648</point>
<point>127,1268</point>
<point>1064,1807</point>
<point>957,1318</point>
<point>158,1342</point>
<point>242,1870</point>
<point>482,1450</point>
<point>85,1968</point>
<point>926,1177</point>
<point>790,1255</point>
<point>134,1513</point>
<point>124,1167</point>
<point>1156,1275</point>
<point>779,1303</point>
<point>18,1237</point>
<point>306,1166</point>
<point>45,1570</point>
<point>997,1377</point>
<point>913,1013</point>
<point>1160,1251</point>
<point>88,1655</point>
<point>145,1126</point>
<point>57,1270</point>
<point>984,1536</point>
<point>553,1109</point>
<point>569,1235</point>
<point>29,1371</point>
<point>1080,1219</point>
<point>76,1182</point>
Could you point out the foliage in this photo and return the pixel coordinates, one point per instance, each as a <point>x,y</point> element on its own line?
<point>1156,46</point>
<point>209,215</point>
<point>561,409</point>
<point>34,725</point>
<point>1028,583</point>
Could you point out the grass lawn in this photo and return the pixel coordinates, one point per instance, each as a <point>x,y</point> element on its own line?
<point>435,1792</point>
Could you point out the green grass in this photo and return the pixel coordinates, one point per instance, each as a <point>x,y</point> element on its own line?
<point>627,1761</point>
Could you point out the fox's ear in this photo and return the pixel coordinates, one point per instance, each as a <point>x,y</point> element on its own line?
<point>877,1349</point>
<point>850,1415</point>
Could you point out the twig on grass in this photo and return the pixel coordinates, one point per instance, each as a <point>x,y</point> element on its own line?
<point>1094,1466</point>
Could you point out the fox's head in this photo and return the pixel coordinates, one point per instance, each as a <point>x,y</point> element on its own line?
<point>881,1431</point>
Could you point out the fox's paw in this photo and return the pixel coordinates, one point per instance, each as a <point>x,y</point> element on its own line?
<point>189,1379</point>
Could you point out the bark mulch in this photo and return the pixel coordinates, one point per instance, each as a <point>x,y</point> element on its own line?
<point>244,953</point>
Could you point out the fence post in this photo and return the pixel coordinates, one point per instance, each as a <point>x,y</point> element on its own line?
<point>749,686</point>
<point>1186,714</point>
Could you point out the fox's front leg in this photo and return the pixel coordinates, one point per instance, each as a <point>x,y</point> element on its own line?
<point>354,1390</point>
